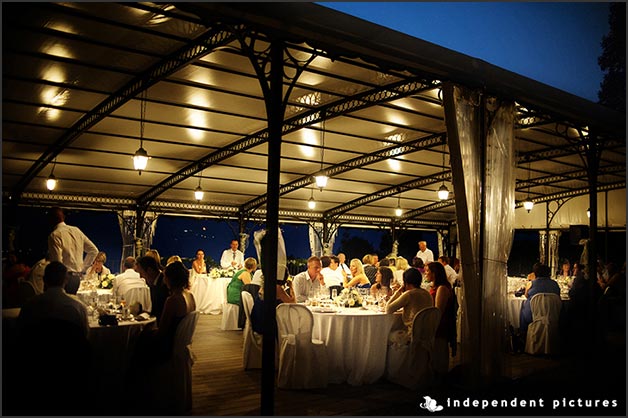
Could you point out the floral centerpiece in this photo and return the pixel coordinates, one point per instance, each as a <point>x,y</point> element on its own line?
<point>216,272</point>
<point>106,281</point>
<point>351,297</point>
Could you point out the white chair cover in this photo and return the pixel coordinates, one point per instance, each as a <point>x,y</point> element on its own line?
<point>411,365</point>
<point>139,294</point>
<point>252,349</point>
<point>302,360</point>
<point>172,384</point>
<point>543,333</point>
<point>230,313</point>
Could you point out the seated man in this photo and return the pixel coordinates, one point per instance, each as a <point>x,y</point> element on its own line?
<point>540,283</point>
<point>55,353</point>
<point>128,279</point>
<point>330,271</point>
<point>308,281</point>
<point>54,303</point>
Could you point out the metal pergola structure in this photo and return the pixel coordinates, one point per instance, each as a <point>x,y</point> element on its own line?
<point>250,101</point>
<point>75,74</point>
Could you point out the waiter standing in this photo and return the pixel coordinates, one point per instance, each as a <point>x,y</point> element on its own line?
<point>232,257</point>
<point>67,244</point>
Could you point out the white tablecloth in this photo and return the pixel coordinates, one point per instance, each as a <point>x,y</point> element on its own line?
<point>112,348</point>
<point>356,341</point>
<point>208,293</point>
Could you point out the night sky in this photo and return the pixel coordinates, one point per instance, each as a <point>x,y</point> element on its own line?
<point>556,43</point>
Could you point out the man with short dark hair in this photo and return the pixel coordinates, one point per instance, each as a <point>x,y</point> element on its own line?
<point>54,303</point>
<point>309,280</point>
<point>149,270</point>
<point>540,283</point>
<point>232,257</point>
<point>330,271</point>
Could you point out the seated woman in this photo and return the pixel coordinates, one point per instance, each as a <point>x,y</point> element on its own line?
<point>155,344</point>
<point>257,313</point>
<point>411,298</point>
<point>383,281</point>
<point>359,278</point>
<point>234,288</point>
<point>198,265</point>
<point>97,271</point>
<point>443,295</point>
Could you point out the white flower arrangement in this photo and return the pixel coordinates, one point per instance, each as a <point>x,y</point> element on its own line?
<point>351,297</point>
<point>216,272</point>
<point>106,282</point>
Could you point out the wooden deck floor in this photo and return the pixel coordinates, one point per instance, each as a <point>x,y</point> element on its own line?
<point>222,387</point>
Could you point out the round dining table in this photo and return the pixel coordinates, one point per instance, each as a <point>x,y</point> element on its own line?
<point>356,341</point>
<point>112,350</point>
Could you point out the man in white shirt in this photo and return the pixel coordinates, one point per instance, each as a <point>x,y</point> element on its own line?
<point>309,280</point>
<point>425,253</point>
<point>232,257</point>
<point>331,273</point>
<point>128,279</point>
<point>452,276</point>
<point>67,244</point>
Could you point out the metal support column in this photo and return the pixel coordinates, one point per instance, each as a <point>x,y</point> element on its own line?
<point>274,110</point>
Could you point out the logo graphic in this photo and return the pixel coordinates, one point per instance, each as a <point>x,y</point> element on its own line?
<point>431,405</point>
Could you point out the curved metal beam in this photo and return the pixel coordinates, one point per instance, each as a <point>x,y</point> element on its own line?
<point>340,107</point>
<point>384,154</point>
<point>198,47</point>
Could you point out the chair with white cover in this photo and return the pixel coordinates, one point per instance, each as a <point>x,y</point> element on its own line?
<point>171,387</point>
<point>230,313</point>
<point>543,335</point>
<point>139,294</point>
<point>302,360</point>
<point>411,365</point>
<point>252,348</point>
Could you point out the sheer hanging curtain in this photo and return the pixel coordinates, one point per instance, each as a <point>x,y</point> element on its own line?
<point>466,125</point>
<point>499,231</point>
<point>314,232</point>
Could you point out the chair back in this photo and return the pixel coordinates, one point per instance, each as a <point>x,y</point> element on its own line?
<point>424,327</point>
<point>141,295</point>
<point>543,333</point>
<point>185,332</point>
<point>247,302</point>
<point>546,307</point>
<point>295,319</point>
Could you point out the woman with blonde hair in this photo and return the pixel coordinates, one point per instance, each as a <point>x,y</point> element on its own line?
<point>155,254</point>
<point>357,272</point>
<point>402,265</point>
<point>98,270</point>
<point>234,288</point>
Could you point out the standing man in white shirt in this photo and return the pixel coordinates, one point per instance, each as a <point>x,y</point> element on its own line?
<point>232,257</point>
<point>67,244</point>
<point>309,280</point>
<point>425,253</point>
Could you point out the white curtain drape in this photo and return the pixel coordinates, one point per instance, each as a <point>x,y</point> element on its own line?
<point>466,124</point>
<point>316,247</point>
<point>553,263</point>
<point>498,231</point>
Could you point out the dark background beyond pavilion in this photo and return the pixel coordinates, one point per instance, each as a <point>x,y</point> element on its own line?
<point>184,235</point>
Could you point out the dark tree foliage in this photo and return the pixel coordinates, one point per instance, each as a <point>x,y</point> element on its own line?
<point>613,60</point>
<point>355,247</point>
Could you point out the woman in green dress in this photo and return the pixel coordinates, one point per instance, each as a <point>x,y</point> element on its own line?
<point>234,288</point>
